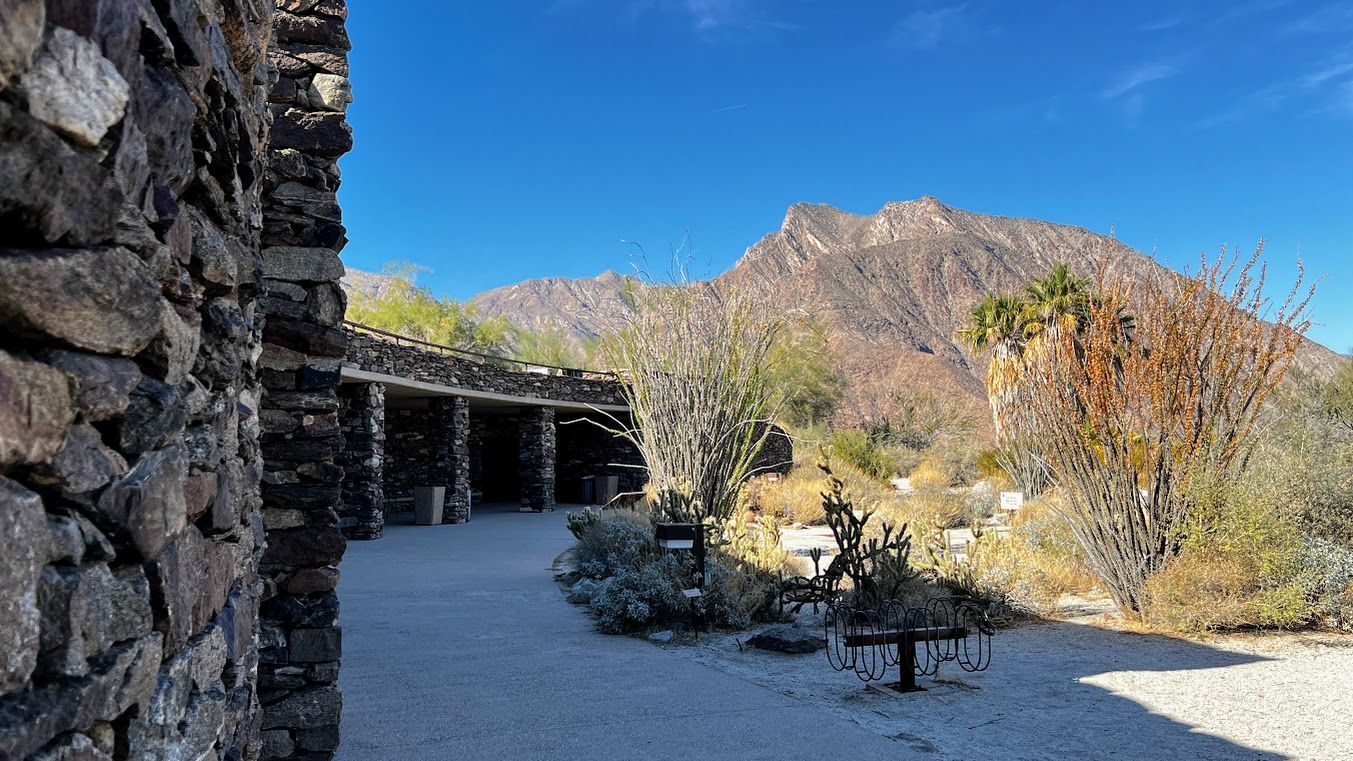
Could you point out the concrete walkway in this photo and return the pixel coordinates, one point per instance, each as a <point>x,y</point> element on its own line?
<point>458,645</point>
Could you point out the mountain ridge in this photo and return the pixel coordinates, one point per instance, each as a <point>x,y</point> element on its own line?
<point>890,288</point>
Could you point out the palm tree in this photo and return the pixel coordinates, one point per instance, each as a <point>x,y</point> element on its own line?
<point>1059,304</point>
<point>1001,324</point>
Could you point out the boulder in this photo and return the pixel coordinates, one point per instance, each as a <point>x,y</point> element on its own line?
<point>315,30</point>
<point>24,548</point>
<point>315,645</point>
<point>311,580</point>
<point>67,544</point>
<point>83,464</point>
<point>662,636</point>
<point>101,299</point>
<point>305,546</point>
<point>321,133</point>
<point>148,502</point>
<point>783,638</point>
<point>35,410</point>
<point>113,24</point>
<point>73,88</point>
<point>331,92</point>
<point>163,105</point>
<point>305,708</point>
<point>300,264</point>
<point>103,385</point>
<point>172,353</point>
<point>86,610</point>
<point>48,192</point>
<point>122,678</point>
<point>20,34</point>
<point>192,579</point>
<point>581,593</point>
<point>156,413</point>
<point>72,747</point>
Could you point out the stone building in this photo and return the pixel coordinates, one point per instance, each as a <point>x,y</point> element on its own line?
<point>169,363</point>
<point>185,431</point>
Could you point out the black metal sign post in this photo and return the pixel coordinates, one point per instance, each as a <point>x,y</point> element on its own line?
<point>688,536</point>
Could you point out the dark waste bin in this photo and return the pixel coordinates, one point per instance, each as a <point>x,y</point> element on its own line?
<point>589,491</point>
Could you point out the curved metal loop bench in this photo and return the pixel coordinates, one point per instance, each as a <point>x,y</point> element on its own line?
<point>868,641</point>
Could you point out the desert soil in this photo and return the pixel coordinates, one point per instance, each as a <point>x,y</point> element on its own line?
<point>1088,688</point>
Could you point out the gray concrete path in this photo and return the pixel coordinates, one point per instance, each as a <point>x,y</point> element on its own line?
<point>458,645</point>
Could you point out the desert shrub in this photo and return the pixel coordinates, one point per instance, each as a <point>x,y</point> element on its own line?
<point>1033,566</point>
<point>607,547</point>
<point>1201,591</point>
<point>579,522</point>
<point>757,544</point>
<point>797,497</point>
<point>928,475</point>
<point>738,593</point>
<point>698,388</point>
<point>860,450</point>
<point>1328,570</point>
<point>638,597</point>
<point>1240,565</point>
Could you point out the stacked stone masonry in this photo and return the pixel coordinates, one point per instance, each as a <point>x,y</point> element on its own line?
<point>303,347</point>
<point>132,144</point>
<point>536,455</point>
<point>377,354</point>
<point>362,417</point>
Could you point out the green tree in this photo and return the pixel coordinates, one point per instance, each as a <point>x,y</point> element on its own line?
<point>402,306</point>
<point>1336,398</point>
<point>550,346</point>
<point>807,387</point>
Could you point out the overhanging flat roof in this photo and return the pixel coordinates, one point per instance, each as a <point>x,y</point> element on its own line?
<point>405,388</point>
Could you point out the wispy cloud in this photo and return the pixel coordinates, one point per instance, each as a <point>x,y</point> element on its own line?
<point>926,29</point>
<point>1328,88</point>
<point>1160,25</point>
<point>1335,18</point>
<point>1133,79</point>
<point>708,19</point>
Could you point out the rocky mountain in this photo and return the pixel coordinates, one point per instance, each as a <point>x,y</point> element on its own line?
<point>890,288</point>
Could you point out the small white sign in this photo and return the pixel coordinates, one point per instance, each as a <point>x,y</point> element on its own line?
<point>1012,500</point>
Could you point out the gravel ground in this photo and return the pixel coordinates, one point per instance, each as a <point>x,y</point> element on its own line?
<point>1082,689</point>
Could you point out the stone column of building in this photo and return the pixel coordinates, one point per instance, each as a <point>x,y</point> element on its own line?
<point>131,139</point>
<point>456,417</point>
<point>536,458</point>
<point>362,417</point>
<point>300,642</point>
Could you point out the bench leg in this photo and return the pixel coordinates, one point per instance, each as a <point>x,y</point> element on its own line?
<point>906,664</point>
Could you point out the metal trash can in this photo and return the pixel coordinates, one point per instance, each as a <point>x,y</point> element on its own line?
<point>428,503</point>
<point>588,493</point>
<point>607,489</point>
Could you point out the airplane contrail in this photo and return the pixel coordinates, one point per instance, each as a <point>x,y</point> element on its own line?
<point>728,108</point>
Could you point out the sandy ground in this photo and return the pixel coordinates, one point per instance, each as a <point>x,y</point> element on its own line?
<point>1075,690</point>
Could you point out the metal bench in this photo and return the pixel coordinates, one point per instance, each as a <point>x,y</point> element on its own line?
<point>868,641</point>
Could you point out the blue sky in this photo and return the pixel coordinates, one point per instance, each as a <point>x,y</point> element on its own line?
<point>499,141</point>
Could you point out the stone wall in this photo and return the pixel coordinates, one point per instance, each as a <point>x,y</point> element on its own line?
<point>300,641</point>
<point>586,449</point>
<point>429,447</point>
<point>376,354</point>
<point>361,415</point>
<point>131,146</point>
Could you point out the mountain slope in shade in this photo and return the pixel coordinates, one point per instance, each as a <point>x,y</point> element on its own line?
<point>891,288</point>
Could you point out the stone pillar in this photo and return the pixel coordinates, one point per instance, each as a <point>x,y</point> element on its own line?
<point>303,349</point>
<point>536,459</point>
<point>456,419</point>
<point>131,147</point>
<point>362,417</point>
